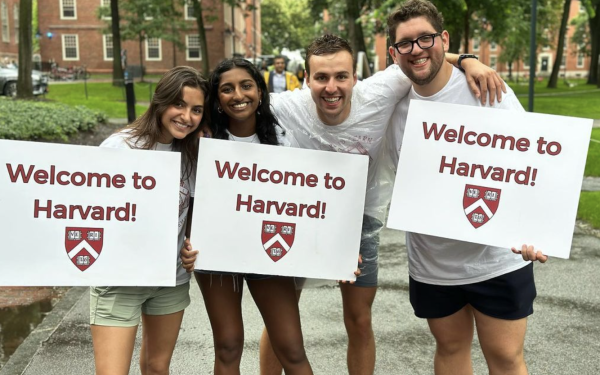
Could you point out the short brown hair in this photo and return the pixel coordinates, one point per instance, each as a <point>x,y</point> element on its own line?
<point>328,44</point>
<point>413,9</point>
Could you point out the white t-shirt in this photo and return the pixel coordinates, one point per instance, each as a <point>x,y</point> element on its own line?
<point>186,191</point>
<point>443,261</point>
<point>282,139</point>
<point>373,102</point>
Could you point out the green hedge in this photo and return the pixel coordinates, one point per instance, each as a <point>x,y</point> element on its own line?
<point>30,120</point>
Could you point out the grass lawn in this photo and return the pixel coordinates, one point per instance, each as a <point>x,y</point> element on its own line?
<point>101,96</point>
<point>589,207</point>
<point>592,166</point>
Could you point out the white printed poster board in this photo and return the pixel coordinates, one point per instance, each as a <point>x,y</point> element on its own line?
<point>490,176</point>
<point>278,210</point>
<point>87,216</point>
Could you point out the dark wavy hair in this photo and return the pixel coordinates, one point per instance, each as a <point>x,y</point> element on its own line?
<point>146,130</point>
<point>266,122</point>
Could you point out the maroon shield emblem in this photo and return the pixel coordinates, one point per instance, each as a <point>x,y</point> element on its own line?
<point>277,238</point>
<point>83,245</point>
<point>480,204</point>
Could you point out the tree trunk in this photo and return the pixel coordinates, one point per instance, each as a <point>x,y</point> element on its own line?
<point>355,32</point>
<point>455,39</point>
<point>24,82</point>
<point>467,30</point>
<point>202,35</point>
<point>595,36</point>
<point>141,41</point>
<point>560,48</point>
<point>117,78</point>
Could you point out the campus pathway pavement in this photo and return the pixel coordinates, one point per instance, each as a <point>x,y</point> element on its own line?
<point>562,339</point>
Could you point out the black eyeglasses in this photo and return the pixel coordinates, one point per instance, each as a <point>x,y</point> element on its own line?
<point>425,41</point>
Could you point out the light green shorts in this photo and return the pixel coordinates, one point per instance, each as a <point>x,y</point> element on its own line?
<point>122,306</point>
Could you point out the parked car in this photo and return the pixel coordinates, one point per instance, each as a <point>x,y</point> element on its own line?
<point>8,81</point>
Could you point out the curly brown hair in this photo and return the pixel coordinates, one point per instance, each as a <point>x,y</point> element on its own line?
<point>413,9</point>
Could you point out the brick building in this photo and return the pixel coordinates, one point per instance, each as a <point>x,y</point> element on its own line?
<point>575,64</point>
<point>71,34</point>
<point>9,30</point>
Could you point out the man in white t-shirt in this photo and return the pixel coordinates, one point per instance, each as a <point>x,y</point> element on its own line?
<point>340,114</point>
<point>454,284</point>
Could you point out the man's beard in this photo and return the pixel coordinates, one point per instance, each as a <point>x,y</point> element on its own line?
<point>435,67</point>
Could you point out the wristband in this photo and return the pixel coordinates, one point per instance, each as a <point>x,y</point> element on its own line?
<point>462,57</point>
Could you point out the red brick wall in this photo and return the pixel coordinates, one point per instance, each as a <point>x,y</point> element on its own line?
<point>89,30</point>
<point>10,49</point>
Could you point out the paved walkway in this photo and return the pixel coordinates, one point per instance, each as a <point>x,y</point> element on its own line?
<point>562,337</point>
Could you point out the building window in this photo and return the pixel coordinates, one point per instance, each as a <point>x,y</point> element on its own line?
<point>188,11</point>
<point>70,47</point>
<point>16,22</point>
<point>153,52</point>
<point>4,20</point>
<point>476,43</point>
<point>106,5</point>
<point>580,57</point>
<point>563,61</point>
<point>193,47</point>
<point>68,9</point>
<point>493,46</point>
<point>107,41</point>
<point>494,62</point>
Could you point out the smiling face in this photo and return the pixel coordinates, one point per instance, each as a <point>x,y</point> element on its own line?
<point>182,117</point>
<point>421,65</point>
<point>239,98</point>
<point>331,81</point>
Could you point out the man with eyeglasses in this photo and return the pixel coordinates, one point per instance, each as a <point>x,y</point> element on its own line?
<point>455,284</point>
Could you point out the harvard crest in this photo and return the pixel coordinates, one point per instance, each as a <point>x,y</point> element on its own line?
<point>83,245</point>
<point>277,238</point>
<point>480,204</point>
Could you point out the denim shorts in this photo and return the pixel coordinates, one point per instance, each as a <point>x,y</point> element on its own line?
<point>369,248</point>
<point>122,306</point>
<point>509,296</point>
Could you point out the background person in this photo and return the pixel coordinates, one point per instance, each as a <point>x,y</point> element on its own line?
<point>457,285</point>
<point>171,123</point>
<point>280,80</point>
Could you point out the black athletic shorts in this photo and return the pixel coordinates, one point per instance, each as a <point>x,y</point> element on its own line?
<point>509,296</point>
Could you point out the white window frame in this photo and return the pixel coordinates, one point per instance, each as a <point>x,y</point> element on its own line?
<point>105,43</point>
<point>493,46</point>
<point>159,58</point>
<point>4,21</point>
<point>16,22</point>
<point>494,62</point>
<point>62,11</point>
<point>187,8</point>
<point>563,61</point>
<point>105,4</point>
<point>580,59</point>
<point>64,47</point>
<point>187,49</point>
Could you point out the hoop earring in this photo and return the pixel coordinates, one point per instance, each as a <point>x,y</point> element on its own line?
<point>219,109</point>
<point>259,102</point>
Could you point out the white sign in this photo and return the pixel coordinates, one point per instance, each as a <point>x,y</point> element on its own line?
<point>78,215</point>
<point>490,176</point>
<point>278,211</point>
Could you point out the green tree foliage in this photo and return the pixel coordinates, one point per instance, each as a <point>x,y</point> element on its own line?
<point>286,23</point>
